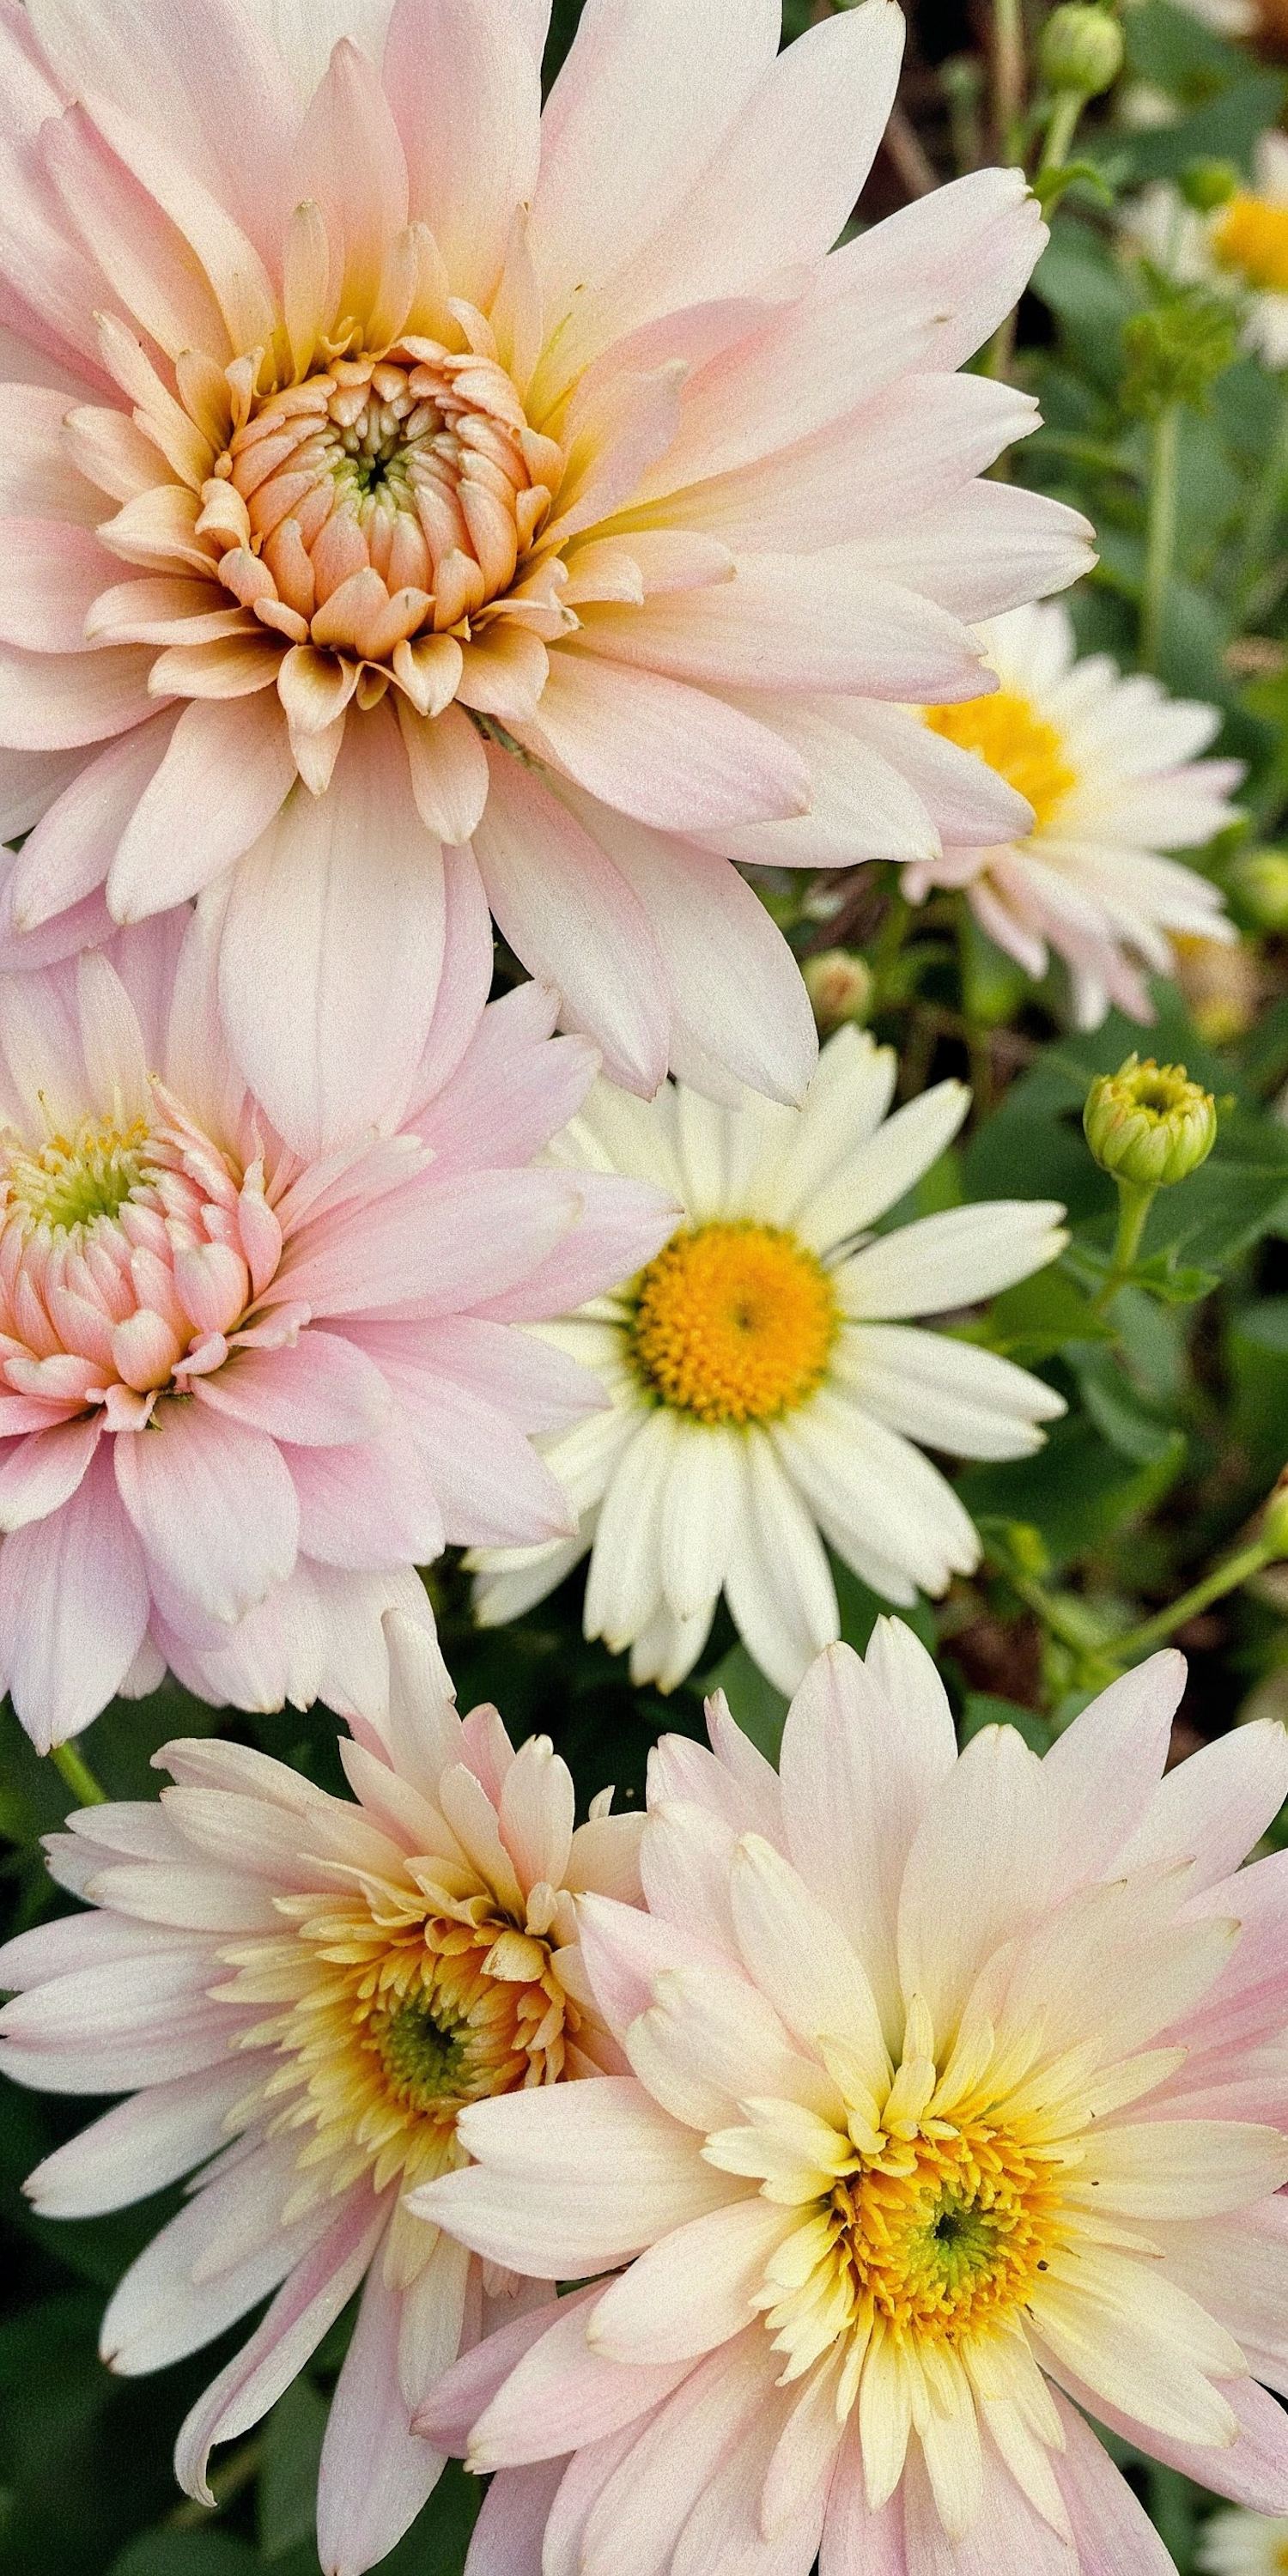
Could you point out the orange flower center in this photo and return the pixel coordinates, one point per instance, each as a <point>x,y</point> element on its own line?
<point>1016,741</point>
<point>385,499</point>
<point>1251,237</point>
<point>733,1323</point>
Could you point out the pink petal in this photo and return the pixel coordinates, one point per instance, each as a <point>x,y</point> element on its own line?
<point>41,1473</point>
<point>351,160</point>
<point>671,756</point>
<point>35,480</point>
<point>492,1488</point>
<point>512,1090</point>
<point>375,2474</point>
<point>437,1247</point>
<point>465,981</point>
<point>620,1226</point>
<point>563,2394</point>
<point>227,771</point>
<point>51,572</point>
<point>213,1504</point>
<point>1114,2533</point>
<point>320,1391</point>
<point>538,1387</point>
<point>332,947</point>
<point>464,85</point>
<point>448,771</point>
<point>574,922</point>
<point>143,260</point>
<point>507,2538</point>
<point>73,1610</point>
<point>857,2542</point>
<point>456,2401</point>
<point>51,703</point>
<point>368,1506</point>
<point>71,849</point>
<point>811,622</point>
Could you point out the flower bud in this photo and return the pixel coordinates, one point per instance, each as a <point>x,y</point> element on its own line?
<point>1081,48</point>
<point>1274,1524</point>
<point>1260,879</point>
<point>1176,350</point>
<point>839,986</point>
<point>1205,185</point>
<point>1148,1123</point>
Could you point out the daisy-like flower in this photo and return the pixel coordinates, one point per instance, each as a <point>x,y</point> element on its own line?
<point>300,1994</point>
<point>243,1394</point>
<point>957,2106</point>
<point>1243,2544</point>
<point>394,468</point>
<point>1107,764</point>
<point>1240,247</point>
<point>766,1385</point>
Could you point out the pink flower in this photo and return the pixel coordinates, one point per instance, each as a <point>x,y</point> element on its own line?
<point>536,483</point>
<point>243,1393</point>
<point>315,1988</point>
<point>957,2106</point>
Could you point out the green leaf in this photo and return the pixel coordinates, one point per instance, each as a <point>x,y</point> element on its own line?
<point>288,2477</point>
<point>1131,1426</point>
<point>1041,1316</point>
<point>186,2553</point>
<point>1175,1282</point>
<point>982,1710</point>
<point>1078,1491</point>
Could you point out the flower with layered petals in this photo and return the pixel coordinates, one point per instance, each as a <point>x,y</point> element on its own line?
<point>394,467</point>
<point>1239,247</point>
<point>957,2108</point>
<point>300,1995</point>
<point>1243,2544</point>
<point>1107,765</point>
<point>243,1394</point>
<point>765,1386</point>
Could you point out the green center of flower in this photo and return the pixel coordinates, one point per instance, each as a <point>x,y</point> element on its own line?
<point>422,2050</point>
<point>72,1180</point>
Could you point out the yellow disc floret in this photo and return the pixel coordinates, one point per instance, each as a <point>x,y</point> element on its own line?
<point>71,1179</point>
<point>733,1323</point>
<point>1251,237</point>
<point>953,2243</point>
<point>1015,741</point>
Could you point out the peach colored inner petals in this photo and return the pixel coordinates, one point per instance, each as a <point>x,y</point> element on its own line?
<point>129,1252</point>
<point>373,510</point>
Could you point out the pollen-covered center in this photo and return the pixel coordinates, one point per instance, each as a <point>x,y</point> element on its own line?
<point>1251,237</point>
<point>1016,741</point>
<point>950,2241</point>
<point>392,2026</point>
<point>382,500</point>
<point>733,1323</point>
<point>70,1180</point>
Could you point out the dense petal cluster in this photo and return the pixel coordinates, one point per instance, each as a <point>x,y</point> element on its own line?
<point>1108,766</point>
<point>766,1385</point>
<point>301,1993</point>
<point>388,467</point>
<point>957,2106</point>
<point>243,1393</point>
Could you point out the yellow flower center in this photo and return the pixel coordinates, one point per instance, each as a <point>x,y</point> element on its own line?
<point>1251,237</point>
<point>733,1323</point>
<point>69,1181</point>
<point>950,2241</point>
<point>391,2026</point>
<point>1015,741</point>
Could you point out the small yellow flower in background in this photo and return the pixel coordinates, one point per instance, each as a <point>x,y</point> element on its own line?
<point>1243,2544</point>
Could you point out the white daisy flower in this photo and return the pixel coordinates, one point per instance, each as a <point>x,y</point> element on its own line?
<point>765,1381</point>
<point>1240,247</point>
<point>1238,2543</point>
<point>1107,764</point>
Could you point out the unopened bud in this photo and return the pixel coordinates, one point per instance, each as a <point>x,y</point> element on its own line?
<point>1149,1124</point>
<point>1081,48</point>
<point>1176,350</point>
<point>1274,1524</point>
<point>1260,879</point>
<point>839,986</point>
<point>1205,185</point>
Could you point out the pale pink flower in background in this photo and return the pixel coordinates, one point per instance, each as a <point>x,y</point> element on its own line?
<point>1107,763</point>
<point>242,1394</point>
<point>395,468</point>
<point>957,2105</point>
<point>299,1994</point>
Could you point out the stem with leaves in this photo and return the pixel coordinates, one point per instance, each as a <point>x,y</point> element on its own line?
<point>1160,532</point>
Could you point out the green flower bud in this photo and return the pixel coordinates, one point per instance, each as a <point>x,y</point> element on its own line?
<point>1274,1525</point>
<point>1149,1124</point>
<point>839,986</point>
<point>1081,48</point>
<point>1176,351</point>
<point>1205,185</point>
<point>1260,879</point>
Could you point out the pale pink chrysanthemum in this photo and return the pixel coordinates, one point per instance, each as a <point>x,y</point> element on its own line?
<point>404,469</point>
<point>957,2107</point>
<point>1108,764</point>
<point>242,1393</point>
<point>299,1995</point>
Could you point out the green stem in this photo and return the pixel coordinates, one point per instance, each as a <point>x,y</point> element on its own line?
<point>1134,1642</point>
<point>1064,1624</point>
<point>1134,1205</point>
<point>886,947</point>
<point>1008,76</point>
<point>1267,500</point>
<point>1061,130</point>
<point>1160,533</point>
<point>78,1776</point>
